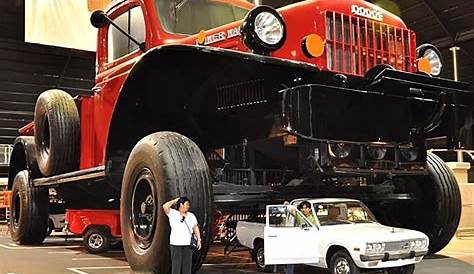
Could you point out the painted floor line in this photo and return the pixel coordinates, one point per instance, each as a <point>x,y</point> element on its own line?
<point>64,252</point>
<point>97,258</point>
<point>79,269</point>
<point>38,247</point>
<point>76,271</point>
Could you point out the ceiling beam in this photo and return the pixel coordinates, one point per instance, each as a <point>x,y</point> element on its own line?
<point>441,20</point>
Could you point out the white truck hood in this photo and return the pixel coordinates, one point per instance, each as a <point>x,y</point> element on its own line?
<point>372,232</point>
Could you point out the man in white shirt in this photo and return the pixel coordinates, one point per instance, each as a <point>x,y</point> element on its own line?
<point>183,224</point>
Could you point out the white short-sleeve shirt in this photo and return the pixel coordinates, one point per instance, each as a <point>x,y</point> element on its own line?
<point>180,234</point>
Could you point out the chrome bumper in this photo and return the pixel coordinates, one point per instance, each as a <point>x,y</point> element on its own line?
<point>391,257</point>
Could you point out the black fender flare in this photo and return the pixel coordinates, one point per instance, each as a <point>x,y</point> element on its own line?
<point>23,157</point>
<point>169,87</point>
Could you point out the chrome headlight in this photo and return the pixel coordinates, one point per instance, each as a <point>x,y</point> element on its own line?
<point>340,150</point>
<point>419,244</point>
<point>263,30</point>
<point>377,153</point>
<point>432,54</point>
<point>374,248</point>
<point>409,154</point>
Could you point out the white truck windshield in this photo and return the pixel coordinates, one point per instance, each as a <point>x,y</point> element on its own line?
<point>343,213</point>
<point>191,16</point>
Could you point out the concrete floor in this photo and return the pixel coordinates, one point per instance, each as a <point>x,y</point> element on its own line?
<point>60,256</point>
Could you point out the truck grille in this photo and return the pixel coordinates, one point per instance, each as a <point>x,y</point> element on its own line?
<point>397,246</point>
<point>354,44</point>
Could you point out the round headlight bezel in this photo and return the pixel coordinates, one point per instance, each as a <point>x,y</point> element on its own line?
<point>426,49</point>
<point>251,38</point>
<point>339,150</point>
<point>410,153</point>
<point>377,152</point>
<point>375,248</point>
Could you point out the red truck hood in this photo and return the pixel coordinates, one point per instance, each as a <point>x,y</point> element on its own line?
<point>301,19</point>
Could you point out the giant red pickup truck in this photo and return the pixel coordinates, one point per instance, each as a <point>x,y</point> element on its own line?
<point>333,96</point>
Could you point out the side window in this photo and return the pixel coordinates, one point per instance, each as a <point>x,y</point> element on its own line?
<point>278,216</point>
<point>133,23</point>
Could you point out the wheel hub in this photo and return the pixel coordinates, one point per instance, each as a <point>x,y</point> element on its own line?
<point>342,266</point>
<point>144,211</point>
<point>261,258</point>
<point>96,241</point>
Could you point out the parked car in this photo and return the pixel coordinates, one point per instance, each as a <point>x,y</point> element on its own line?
<point>98,228</point>
<point>348,242</point>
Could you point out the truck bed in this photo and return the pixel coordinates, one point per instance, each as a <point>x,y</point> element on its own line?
<point>247,232</point>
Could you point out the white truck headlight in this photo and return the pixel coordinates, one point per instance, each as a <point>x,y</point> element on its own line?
<point>263,30</point>
<point>374,248</point>
<point>433,55</point>
<point>268,28</point>
<point>419,244</point>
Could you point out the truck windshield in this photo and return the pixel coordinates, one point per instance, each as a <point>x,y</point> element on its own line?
<point>191,16</point>
<point>343,213</point>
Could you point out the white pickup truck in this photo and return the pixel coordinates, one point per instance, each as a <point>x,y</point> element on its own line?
<point>345,237</point>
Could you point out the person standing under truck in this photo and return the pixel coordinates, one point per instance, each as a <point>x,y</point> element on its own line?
<point>182,222</point>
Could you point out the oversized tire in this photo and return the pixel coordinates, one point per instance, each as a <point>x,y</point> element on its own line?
<point>342,263</point>
<point>436,208</point>
<point>259,258</point>
<point>29,211</point>
<point>97,240</point>
<point>50,228</point>
<point>57,132</point>
<point>161,166</point>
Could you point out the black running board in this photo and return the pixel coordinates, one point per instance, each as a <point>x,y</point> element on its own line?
<point>90,174</point>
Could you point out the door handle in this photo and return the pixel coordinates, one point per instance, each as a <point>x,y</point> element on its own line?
<point>272,236</point>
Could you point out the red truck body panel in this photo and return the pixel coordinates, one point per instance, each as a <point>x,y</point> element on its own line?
<point>301,19</point>
<point>79,220</point>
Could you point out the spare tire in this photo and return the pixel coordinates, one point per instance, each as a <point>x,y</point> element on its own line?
<point>57,132</point>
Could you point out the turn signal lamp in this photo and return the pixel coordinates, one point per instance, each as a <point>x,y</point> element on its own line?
<point>424,66</point>
<point>313,45</point>
<point>201,38</point>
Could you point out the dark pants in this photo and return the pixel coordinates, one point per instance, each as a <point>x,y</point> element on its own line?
<point>288,269</point>
<point>181,259</point>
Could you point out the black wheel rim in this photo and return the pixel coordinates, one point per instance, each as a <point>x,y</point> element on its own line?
<point>261,258</point>
<point>95,241</point>
<point>342,266</point>
<point>16,205</point>
<point>144,208</point>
